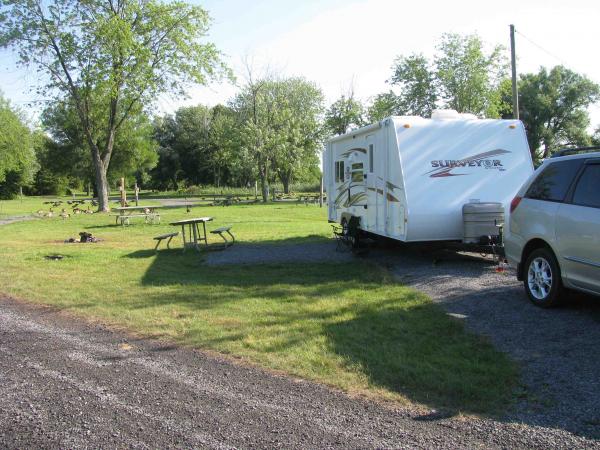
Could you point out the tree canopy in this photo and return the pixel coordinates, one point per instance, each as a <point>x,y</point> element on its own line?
<point>344,114</point>
<point>17,155</point>
<point>553,106</point>
<point>461,76</point>
<point>110,59</point>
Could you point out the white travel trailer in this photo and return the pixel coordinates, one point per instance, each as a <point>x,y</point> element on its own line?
<point>407,178</point>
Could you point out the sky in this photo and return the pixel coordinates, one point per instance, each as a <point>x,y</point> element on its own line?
<point>344,44</point>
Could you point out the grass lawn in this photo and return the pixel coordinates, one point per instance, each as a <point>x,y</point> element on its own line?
<point>347,325</point>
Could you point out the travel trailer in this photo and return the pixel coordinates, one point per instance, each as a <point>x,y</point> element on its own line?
<point>410,178</point>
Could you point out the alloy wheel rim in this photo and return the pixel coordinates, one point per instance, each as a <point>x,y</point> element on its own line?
<point>539,278</point>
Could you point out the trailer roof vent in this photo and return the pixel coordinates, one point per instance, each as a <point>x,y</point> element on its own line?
<point>444,114</point>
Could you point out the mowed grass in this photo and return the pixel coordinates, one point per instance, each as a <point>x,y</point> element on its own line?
<point>347,325</point>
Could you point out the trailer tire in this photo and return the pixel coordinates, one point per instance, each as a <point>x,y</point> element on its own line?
<point>350,236</point>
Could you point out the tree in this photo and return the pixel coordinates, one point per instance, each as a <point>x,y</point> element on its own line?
<point>417,83</point>
<point>168,173</point>
<point>17,155</point>
<point>301,108</point>
<point>384,105</point>
<point>279,127</point>
<point>225,157</point>
<point>553,106</point>
<point>67,156</point>
<point>344,114</point>
<point>110,59</point>
<point>461,76</point>
<point>467,76</point>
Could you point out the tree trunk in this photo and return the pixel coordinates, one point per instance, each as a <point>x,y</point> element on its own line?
<point>285,180</point>
<point>264,184</point>
<point>101,183</point>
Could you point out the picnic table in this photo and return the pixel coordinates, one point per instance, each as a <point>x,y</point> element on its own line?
<point>125,213</point>
<point>195,235</point>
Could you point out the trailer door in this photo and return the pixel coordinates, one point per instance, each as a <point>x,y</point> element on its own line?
<point>374,184</point>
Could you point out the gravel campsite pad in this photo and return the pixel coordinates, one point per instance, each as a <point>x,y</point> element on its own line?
<point>288,253</point>
<point>556,349</point>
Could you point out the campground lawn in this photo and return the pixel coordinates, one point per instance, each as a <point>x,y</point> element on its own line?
<point>347,325</point>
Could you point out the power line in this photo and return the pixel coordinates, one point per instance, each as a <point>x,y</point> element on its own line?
<point>553,55</point>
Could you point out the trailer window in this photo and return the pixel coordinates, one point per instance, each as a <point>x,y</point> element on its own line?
<point>357,172</point>
<point>370,158</point>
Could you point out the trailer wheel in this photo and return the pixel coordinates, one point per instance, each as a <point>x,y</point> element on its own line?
<point>350,235</point>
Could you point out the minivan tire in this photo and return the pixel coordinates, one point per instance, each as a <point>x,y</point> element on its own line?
<point>541,278</point>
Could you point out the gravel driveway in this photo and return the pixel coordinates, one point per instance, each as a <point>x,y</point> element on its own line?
<point>557,349</point>
<point>65,384</point>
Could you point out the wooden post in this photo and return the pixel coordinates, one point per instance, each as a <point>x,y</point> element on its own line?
<point>123,193</point>
<point>321,193</point>
<point>137,193</point>
<point>513,64</point>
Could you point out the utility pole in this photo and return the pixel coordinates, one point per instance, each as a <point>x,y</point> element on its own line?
<point>513,61</point>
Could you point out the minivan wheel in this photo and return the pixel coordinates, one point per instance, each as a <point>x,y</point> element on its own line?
<point>542,278</point>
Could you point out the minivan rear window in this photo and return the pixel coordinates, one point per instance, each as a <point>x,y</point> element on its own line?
<point>554,181</point>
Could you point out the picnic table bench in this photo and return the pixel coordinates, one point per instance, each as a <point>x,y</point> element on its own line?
<point>220,231</point>
<point>125,213</point>
<point>168,236</point>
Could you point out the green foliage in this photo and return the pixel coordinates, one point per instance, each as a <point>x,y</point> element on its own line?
<point>200,145</point>
<point>344,114</point>
<point>66,156</point>
<point>384,105</point>
<point>110,60</point>
<point>553,106</point>
<point>17,155</point>
<point>280,130</point>
<point>469,77</point>
<point>462,76</point>
<point>417,83</point>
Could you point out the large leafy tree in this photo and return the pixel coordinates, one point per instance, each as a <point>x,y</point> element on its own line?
<point>279,127</point>
<point>17,155</point>
<point>415,78</point>
<point>553,106</point>
<point>461,76</point>
<point>384,105</point>
<point>301,111</point>
<point>468,77</point>
<point>109,58</point>
<point>67,155</point>
<point>344,114</point>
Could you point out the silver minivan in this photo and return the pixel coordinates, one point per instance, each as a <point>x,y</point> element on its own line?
<point>553,238</point>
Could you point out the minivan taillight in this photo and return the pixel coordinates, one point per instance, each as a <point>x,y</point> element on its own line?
<point>515,202</point>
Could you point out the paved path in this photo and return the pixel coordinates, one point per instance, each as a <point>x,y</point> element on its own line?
<point>13,219</point>
<point>65,384</point>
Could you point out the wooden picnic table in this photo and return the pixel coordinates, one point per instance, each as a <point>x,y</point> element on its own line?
<point>195,235</point>
<point>147,212</point>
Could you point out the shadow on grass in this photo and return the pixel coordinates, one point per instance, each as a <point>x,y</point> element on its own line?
<point>425,355</point>
<point>371,326</point>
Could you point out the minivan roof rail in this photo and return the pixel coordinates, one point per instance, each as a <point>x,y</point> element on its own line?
<point>569,151</point>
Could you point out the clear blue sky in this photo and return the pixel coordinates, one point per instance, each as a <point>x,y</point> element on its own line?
<point>343,43</point>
